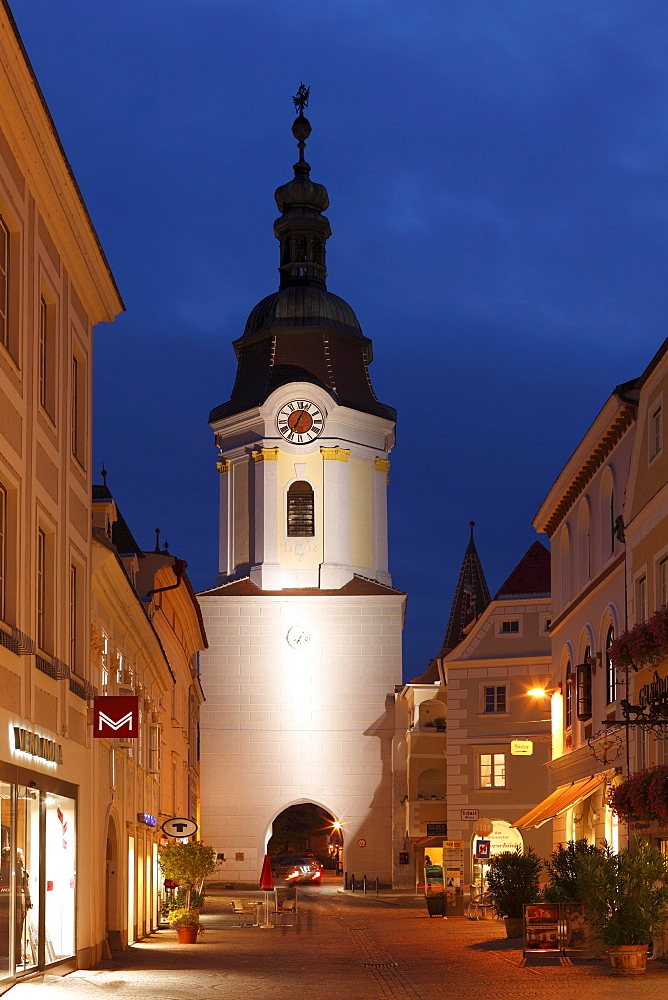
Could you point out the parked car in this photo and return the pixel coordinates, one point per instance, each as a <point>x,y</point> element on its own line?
<point>297,869</point>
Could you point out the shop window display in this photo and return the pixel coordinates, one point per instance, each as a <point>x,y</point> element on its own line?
<point>26,893</point>
<point>60,878</point>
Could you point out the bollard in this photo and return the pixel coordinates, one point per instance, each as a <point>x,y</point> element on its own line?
<point>345,881</point>
<point>352,883</point>
<point>376,885</point>
<point>364,884</point>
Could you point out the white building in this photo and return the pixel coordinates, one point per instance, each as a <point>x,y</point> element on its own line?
<point>304,626</point>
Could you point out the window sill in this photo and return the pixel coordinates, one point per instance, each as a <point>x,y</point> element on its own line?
<point>494,715</point>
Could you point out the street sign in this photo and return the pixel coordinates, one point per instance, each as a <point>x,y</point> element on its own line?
<point>361,842</point>
<point>437,829</point>
<point>521,748</point>
<point>116,717</point>
<point>483,827</point>
<point>469,814</point>
<point>482,849</point>
<point>179,826</point>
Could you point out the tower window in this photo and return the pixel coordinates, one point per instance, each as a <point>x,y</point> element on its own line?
<point>301,518</point>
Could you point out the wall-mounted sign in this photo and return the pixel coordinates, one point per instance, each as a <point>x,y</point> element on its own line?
<point>469,814</point>
<point>37,746</point>
<point>403,857</point>
<point>521,748</point>
<point>437,829</point>
<point>147,819</point>
<point>116,716</point>
<point>180,826</point>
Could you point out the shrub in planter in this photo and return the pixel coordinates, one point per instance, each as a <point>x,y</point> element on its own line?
<point>187,924</point>
<point>564,870</point>
<point>188,864</point>
<point>627,895</point>
<point>512,881</point>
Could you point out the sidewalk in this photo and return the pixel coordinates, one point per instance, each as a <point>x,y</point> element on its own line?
<point>343,948</point>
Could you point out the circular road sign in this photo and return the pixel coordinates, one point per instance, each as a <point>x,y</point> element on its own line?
<point>361,842</point>
<point>179,826</point>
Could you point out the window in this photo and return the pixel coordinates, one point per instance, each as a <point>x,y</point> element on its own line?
<point>655,432</point>
<point>492,770</point>
<point>78,411</point>
<point>74,618</point>
<point>641,599</point>
<point>568,701</point>
<point>104,663</point>
<point>301,519</point>
<point>43,365</point>
<point>3,553</point>
<point>153,763</point>
<point>4,283</point>
<point>510,627</point>
<point>662,582</point>
<point>610,674</point>
<point>41,589</point>
<point>495,699</point>
<point>583,687</point>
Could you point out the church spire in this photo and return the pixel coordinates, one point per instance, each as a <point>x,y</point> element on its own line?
<point>471,596</point>
<point>302,230</point>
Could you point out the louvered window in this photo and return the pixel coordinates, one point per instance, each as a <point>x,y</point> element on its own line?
<point>583,688</point>
<point>301,520</point>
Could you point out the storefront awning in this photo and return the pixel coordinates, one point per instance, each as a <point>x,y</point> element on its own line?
<point>558,801</point>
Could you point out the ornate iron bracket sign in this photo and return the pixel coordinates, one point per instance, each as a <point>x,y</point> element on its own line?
<point>607,744</point>
<point>651,712</point>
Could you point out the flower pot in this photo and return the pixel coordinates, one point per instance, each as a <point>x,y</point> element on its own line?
<point>436,906</point>
<point>628,959</point>
<point>514,927</point>
<point>187,934</point>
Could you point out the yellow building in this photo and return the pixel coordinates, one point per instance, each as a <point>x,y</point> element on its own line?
<point>147,631</point>
<point>55,285</point>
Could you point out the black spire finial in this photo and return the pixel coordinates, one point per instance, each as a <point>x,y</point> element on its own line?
<point>472,526</point>
<point>300,100</point>
<point>157,540</point>
<point>104,474</point>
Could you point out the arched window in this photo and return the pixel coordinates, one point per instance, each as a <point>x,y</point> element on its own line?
<point>583,686</point>
<point>610,674</point>
<point>431,784</point>
<point>568,700</point>
<point>301,518</point>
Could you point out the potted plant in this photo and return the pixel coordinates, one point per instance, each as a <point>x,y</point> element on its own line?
<point>187,924</point>
<point>436,902</point>
<point>188,864</point>
<point>627,898</point>
<point>642,796</point>
<point>512,881</point>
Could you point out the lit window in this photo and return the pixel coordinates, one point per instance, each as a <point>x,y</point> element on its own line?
<point>495,699</point>
<point>3,552</point>
<point>4,283</point>
<point>568,700</point>
<point>301,519</point>
<point>492,770</point>
<point>610,674</point>
<point>655,432</point>
<point>662,582</point>
<point>104,662</point>
<point>641,599</point>
<point>510,627</point>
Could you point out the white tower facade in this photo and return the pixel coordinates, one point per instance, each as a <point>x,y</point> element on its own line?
<point>304,626</point>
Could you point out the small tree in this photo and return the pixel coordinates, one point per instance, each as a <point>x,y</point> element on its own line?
<point>187,864</point>
<point>512,880</point>
<point>565,868</point>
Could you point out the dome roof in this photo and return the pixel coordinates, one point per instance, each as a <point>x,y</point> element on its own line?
<point>302,306</point>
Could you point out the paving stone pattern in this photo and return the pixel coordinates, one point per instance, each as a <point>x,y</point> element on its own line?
<point>343,948</point>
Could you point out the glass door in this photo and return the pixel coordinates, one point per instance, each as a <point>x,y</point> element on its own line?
<point>26,879</point>
<point>6,882</point>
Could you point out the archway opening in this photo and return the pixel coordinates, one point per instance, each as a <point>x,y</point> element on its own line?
<point>308,829</point>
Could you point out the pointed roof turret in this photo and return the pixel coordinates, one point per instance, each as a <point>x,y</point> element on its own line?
<point>303,332</point>
<point>471,597</point>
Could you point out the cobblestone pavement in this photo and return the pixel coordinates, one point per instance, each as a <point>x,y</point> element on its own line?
<point>343,948</point>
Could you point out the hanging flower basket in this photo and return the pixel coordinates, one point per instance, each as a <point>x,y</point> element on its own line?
<point>643,645</point>
<point>642,796</point>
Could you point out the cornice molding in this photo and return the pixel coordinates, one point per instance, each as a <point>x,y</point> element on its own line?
<point>588,469</point>
<point>337,454</point>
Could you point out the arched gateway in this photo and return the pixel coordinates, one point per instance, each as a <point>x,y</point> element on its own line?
<point>304,626</point>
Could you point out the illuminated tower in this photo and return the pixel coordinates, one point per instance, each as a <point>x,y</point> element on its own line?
<point>304,627</point>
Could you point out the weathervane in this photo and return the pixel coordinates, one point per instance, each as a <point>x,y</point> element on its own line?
<point>300,100</point>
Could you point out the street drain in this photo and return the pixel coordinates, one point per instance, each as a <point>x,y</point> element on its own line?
<point>380,965</point>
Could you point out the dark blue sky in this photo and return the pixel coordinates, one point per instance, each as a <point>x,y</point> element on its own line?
<point>497,175</point>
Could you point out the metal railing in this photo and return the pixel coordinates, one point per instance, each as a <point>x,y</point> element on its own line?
<point>363,885</point>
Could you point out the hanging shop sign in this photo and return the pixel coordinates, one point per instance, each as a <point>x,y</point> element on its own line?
<point>116,717</point>
<point>521,748</point>
<point>437,829</point>
<point>655,694</point>
<point>37,746</point>
<point>180,826</point>
<point>147,819</point>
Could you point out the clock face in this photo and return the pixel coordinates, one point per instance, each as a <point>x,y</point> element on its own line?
<point>300,421</point>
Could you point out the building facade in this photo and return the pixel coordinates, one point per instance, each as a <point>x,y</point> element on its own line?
<point>304,625</point>
<point>55,285</point>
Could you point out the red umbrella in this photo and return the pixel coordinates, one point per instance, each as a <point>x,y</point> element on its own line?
<point>266,878</point>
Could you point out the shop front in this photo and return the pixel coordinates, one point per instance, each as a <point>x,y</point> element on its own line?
<point>38,851</point>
